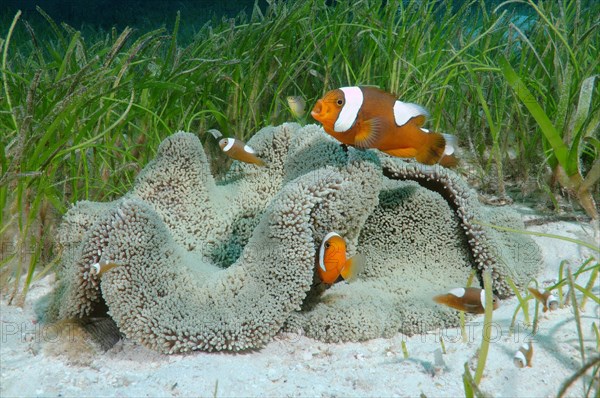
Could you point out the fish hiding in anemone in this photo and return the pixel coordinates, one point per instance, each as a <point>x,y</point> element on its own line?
<point>367,117</point>
<point>102,267</point>
<point>549,301</point>
<point>332,262</point>
<point>238,150</point>
<point>466,299</point>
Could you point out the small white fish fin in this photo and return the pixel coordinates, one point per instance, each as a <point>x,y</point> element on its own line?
<point>215,133</point>
<point>451,144</point>
<point>370,131</point>
<point>353,267</point>
<point>519,360</point>
<point>458,291</point>
<point>405,111</point>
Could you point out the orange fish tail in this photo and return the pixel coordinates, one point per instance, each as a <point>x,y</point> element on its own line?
<point>353,267</point>
<point>449,161</point>
<point>432,149</point>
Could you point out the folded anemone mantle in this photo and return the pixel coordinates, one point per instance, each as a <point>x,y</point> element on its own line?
<point>226,265</point>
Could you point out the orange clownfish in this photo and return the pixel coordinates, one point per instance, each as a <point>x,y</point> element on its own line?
<point>367,117</point>
<point>547,299</point>
<point>466,299</point>
<point>523,357</point>
<point>333,262</point>
<point>238,150</point>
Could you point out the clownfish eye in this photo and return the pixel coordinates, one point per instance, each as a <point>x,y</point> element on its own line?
<point>327,244</point>
<point>340,102</point>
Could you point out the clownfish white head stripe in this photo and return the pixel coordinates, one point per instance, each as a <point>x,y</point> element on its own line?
<point>352,102</point>
<point>520,360</point>
<point>551,302</point>
<point>523,356</point>
<point>404,111</point>
<point>230,142</point>
<point>322,249</point>
<point>482,298</point>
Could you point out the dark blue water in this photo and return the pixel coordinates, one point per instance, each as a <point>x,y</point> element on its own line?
<point>140,14</point>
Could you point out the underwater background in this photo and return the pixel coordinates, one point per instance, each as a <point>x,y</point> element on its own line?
<point>89,90</point>
<point>144,15</point>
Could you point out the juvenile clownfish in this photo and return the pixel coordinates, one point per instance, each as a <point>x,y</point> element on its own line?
<point>466,299</point>
<point>297,105</point>
<point>367,117</point>
<point>103,266</point>
<point>238,150</point>
<point>523,357</point>
<point>333,262</point>
<point>547,299</point>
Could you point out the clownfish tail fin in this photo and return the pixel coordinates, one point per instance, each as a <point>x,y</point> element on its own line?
<point>451,144</point>
<point>434,145</point>
<point>440,299</point>
<point>449,158</point>
<point>448,161</point>
<point>353,267</point>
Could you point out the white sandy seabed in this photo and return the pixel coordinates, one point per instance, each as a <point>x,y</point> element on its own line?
<point>296,366</point>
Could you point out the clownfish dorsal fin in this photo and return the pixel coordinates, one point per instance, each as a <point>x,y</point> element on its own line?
<point>369,132</point>
<point>353,267</point>
<point>418,121</point>
<point>406,111</point>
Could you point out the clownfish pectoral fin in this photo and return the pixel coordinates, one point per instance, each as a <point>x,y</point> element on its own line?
<point>353,267</point>
<point>432,149</point>
<point>448,161</point>
<point>259,162</point>
<point>476,308</point>
<point>368,134</point>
